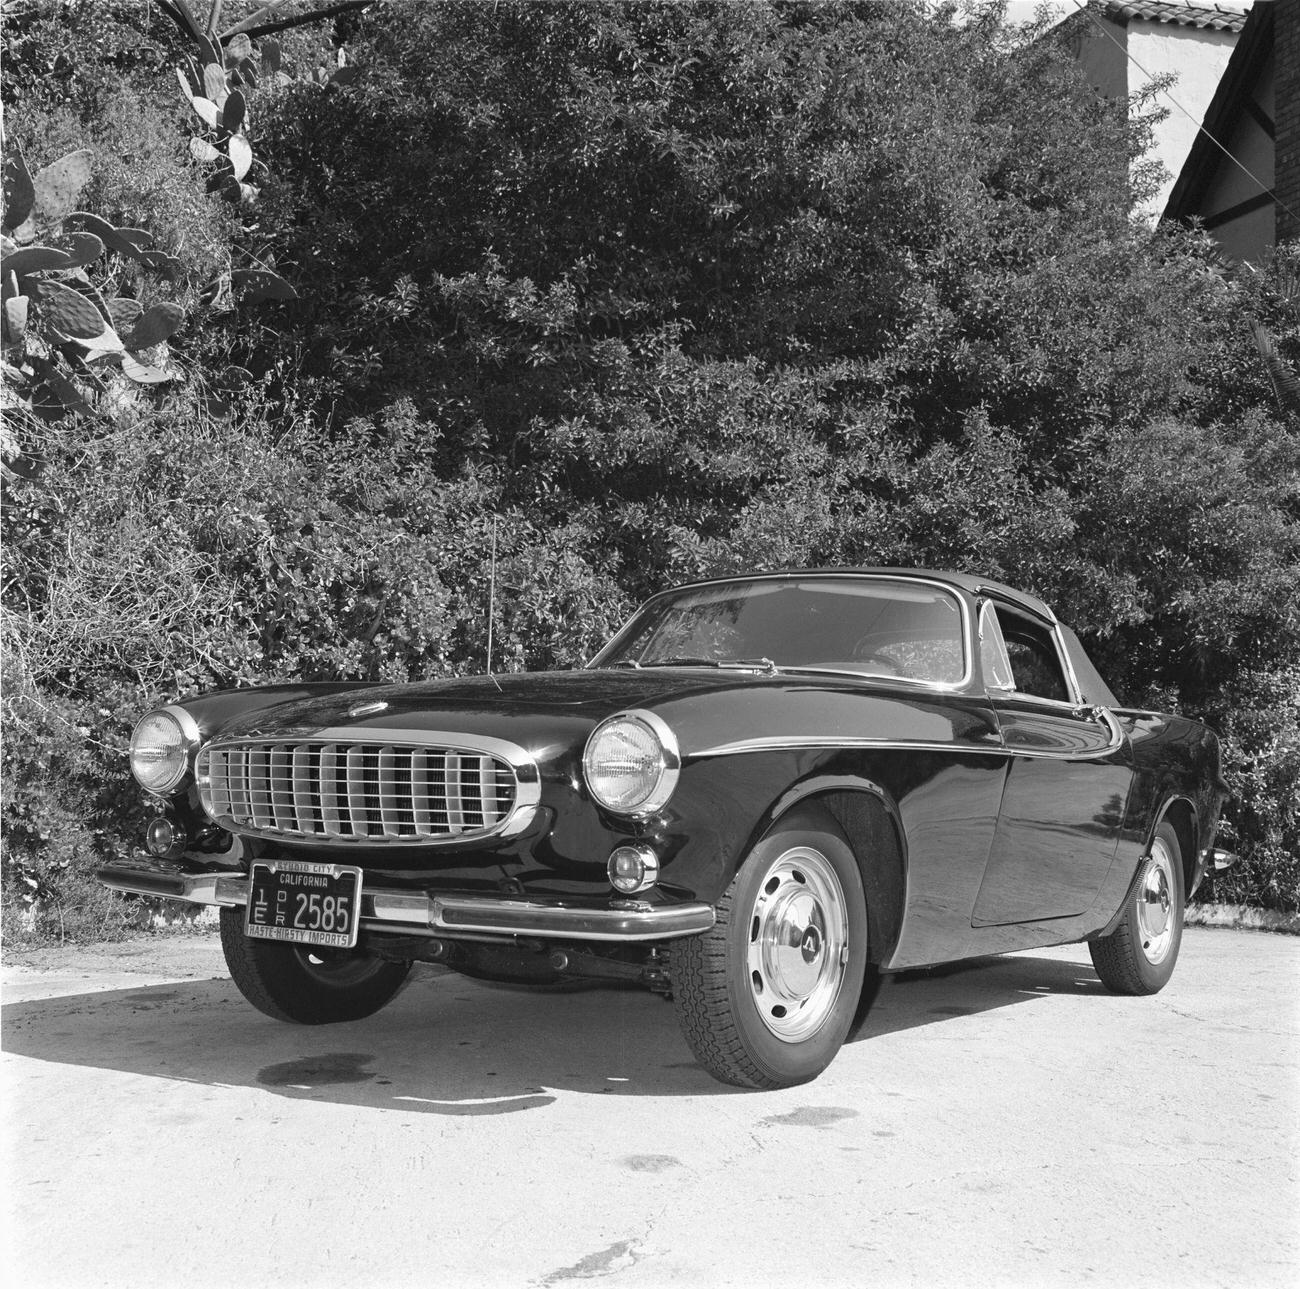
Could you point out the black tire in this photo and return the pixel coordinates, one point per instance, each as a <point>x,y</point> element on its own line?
<point>766,997</point>
<point>307,986</point>
<point>1138,957</point>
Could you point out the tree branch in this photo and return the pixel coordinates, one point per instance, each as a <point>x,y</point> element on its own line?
<point>244,23</point>
<point>298,20</point>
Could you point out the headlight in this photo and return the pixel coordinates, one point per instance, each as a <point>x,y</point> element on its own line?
<point>631,763</point>
<point>161,746</point>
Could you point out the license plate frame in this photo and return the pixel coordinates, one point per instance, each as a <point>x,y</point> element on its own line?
<point>280,902</point>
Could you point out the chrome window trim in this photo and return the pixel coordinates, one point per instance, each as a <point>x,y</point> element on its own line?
<point>1053,629</point>
<point>528,786</point>
<point>990,609</point>
<point>931,686</point>
<point>1071,677</point>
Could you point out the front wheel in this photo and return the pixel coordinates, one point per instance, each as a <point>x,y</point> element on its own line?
<point>304,984</point>
<point>766,997</point>
<point>1138,956</point>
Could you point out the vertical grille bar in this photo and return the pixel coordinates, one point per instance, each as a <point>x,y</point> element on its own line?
<point>455,806</point>
<point>356,789</point>
<point>259,788</point>
<point>304,799</point>
<point>487,789</point>
<point>390,808</point>
<point>330,817</point>
<point>280,786</point>
<point>240,805</point>
<point>421,808</point>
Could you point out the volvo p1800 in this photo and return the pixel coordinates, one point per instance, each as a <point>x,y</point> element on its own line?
<point>764,791</point>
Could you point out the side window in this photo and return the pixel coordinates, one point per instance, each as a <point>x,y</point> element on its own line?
<point>995,664</point>
<point>1035,665</point>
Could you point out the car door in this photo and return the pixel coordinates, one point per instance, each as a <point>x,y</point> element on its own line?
<point>1067,781</point>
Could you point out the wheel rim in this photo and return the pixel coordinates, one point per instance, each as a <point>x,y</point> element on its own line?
<point>1156,915</point>
<point>337,970</point>
<point>797,952</point>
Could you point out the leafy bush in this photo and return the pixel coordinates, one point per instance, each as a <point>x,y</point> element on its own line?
<point>650,292</point>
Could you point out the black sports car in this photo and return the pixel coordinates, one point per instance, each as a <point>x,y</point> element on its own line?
<point>761,789</point>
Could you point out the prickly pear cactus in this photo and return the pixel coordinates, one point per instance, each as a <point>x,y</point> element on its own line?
<point>63,343</point>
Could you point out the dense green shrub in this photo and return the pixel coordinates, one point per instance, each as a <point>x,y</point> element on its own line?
<point>635,294</point>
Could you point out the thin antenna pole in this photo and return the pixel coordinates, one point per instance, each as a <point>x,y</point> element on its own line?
<point>492,596</point>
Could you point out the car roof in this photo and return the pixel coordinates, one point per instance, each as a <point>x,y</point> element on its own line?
<point>968,582</point>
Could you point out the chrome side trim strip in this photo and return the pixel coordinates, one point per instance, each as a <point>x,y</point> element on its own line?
<point>797,743</point>
<point>413,913</point>
<point>813,742</point>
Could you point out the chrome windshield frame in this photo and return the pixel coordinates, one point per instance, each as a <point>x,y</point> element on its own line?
<point>956,593</point>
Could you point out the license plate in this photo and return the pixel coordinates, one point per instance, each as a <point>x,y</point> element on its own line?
<point>304,903</point>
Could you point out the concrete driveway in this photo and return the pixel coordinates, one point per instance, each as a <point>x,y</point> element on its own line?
<point>1002,1123</point>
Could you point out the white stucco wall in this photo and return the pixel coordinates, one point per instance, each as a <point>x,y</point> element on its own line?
<point>1101,53</point>
<point>1197,56</point>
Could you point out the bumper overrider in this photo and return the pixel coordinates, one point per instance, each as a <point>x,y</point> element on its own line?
<point>415,913</point>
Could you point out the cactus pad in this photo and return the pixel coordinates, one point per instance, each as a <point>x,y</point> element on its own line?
<point>206,109</point>
<point>68,311</point>
<point>214,84</point>
<point>233,112</point>
<point>15,319</point>
<point>241,155</point>
<point>33,259</point>
<point>259,284</point>
<point>85,248</point>
<point>142,373</point>
<point>20,196</point>
<point>59,185</point>
<point>124,311</point>
<point>154,326</point>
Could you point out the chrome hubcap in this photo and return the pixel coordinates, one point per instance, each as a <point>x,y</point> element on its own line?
<point>1156,915</point>
<point>798,944</point>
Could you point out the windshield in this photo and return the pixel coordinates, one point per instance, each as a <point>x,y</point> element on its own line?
<point>867,626</point>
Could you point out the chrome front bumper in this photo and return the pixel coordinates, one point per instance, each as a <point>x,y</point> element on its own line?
<point>413,913</point>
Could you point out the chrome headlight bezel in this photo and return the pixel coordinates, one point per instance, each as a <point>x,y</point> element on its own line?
<point>655,737</point>
<point>178,761</point>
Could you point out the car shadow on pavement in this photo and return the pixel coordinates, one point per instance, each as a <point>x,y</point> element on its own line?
<point>452,1046</point>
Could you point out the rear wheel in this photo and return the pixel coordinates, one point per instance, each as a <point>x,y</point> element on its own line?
<point>1138,957</point>
<point>305,984</point>
<point>766,997</point>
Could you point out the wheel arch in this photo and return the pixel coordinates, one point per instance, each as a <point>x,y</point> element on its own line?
<point>1180,814</point>
<point>869,820</point>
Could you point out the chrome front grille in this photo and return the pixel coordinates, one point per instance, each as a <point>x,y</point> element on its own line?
<point>345,791</point>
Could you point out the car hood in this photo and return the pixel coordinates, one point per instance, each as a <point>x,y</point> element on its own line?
<point>507,706</point>
<point>551,713</point>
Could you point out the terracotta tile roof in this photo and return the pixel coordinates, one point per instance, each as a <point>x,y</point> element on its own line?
<point>1221,16</point>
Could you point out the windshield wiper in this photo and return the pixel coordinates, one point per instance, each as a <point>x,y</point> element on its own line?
<point>751,664</point>
<point>625,662</point>
<point>731,664</point>
<point>683,660</point>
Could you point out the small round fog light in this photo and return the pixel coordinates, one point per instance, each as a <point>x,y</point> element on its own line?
<point>164,837</point>
<point>633,869</point>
